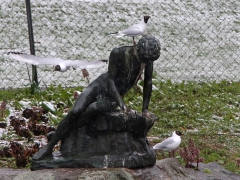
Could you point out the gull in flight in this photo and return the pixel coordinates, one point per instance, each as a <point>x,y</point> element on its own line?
<point>60,64</point>
<point>134,30</point>
<point>169,144</point>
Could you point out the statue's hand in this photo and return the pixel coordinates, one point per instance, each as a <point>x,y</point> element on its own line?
<point>130,111</point>
<point>123,108</point>
<point>146,114</point>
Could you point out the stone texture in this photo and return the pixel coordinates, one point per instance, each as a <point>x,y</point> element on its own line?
<point>166,169</point>
<point>110,140</point>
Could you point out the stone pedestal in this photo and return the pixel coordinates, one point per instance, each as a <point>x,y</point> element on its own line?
<point>110,140</point>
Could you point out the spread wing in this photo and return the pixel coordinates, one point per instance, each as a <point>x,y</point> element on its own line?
<point>35,60</point>
<point>82,64</point>
<point>31,59</point>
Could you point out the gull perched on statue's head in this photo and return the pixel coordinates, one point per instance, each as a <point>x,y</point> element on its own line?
<point>134,30</point>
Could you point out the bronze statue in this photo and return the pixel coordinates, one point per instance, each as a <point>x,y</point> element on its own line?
<point>105,94</point>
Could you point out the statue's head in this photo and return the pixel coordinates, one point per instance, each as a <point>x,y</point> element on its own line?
<point>148,48</point>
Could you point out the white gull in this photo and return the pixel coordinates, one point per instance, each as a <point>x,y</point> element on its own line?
<point>134,30</point>
<point>60,64</point>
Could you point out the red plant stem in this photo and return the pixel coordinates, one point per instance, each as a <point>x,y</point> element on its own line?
<point>197,160</point>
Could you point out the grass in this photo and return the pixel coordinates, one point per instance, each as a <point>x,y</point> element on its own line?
<point>206,112</point>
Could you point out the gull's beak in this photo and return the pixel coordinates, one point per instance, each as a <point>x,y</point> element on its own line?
<point>104,60</point>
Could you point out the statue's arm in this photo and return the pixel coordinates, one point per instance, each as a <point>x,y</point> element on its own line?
<point>112,75</point>
<point>147,87</point>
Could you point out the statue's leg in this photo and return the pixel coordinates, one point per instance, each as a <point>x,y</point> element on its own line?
<point>63,128</point>
<point>101,105</point>
<point>86,98</point>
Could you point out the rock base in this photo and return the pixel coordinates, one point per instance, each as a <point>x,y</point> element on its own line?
<point>111,140</point>
<point>162,170</point>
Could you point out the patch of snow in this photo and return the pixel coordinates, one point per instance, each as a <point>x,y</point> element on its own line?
<point>154,88</point>
<point>217,117</point>
<point>52,116</point>
<point>25,103</point>
<point>2,142</point>
<point>48,105</point>
<point>192,130</point>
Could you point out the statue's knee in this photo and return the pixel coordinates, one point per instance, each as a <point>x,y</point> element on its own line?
<point>92,108</point>
<point>75,112</point>
<point>103,104</point>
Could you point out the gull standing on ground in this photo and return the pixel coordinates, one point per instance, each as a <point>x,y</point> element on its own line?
<point>60,64</point>
<point>170,143</point>
<point>134,30</point>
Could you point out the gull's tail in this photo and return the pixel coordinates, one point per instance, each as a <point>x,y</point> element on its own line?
<point>117,34</point>
<point>11,52</point>
<point>113,33</point>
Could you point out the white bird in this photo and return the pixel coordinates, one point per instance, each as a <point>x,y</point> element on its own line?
<point>60,64</point>
<point>134,30</point>
<point>170,143</point>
